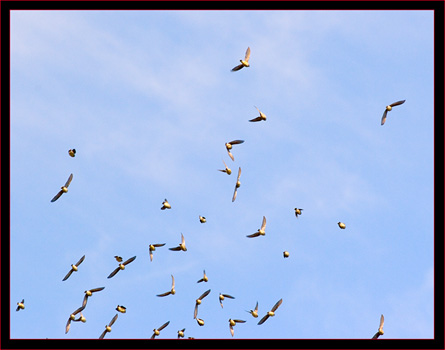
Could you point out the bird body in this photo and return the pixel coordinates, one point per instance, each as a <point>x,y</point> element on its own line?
<point>298,211</point>
<point>181,333</point>
<point>202,219</point>
<point>286,254</point>
<point>20,305</point>
<point>72,152</point>
<point>341,225</point>
<point>166,205</point>
<point>121,309</point>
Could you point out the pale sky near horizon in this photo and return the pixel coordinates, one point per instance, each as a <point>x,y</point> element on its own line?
<point>148,100</point>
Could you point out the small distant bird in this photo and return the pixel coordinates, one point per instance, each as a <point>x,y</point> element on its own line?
<point>388,108</point>
<point>261,231</point>
<point>261,117</point>
<point>200,321</point>
<point>72,318</point>
<point>199,301</point>
<point>223,296</point>
<point>118,258</point>
<point>64,189</point>
<point>244,63</point>
<point>108,327</point>
<point>229,146</point>
<point>298,211</point>
<point>181,245</point>
<point>341,225</point>
<point>204,278</point>
<point>271,312</point>
<point>20,305</point>
<point>380,331</point>
<point>232,323</point>
<point>121,309</point>
<point>157,331</point>
<point>166,205</point>
<point>181,333</point>
<point>74,268</point>
<point>286,254</point>
<point>72,152</point>
<point>254,313</point>
<point>81,318</point>
<point>121,267</point>
<point>202,219</point>
<point>152,248</point>
<point>226,170</point>
<point>89,293</point>
<point>237,185</point>
<point>172,291</point>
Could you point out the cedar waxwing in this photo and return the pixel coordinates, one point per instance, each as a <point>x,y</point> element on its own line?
<point>181,245</point>
<point>199,301</point>
<point>271,312</point>
<point>226,170</point>
<point>81,318</point>
<point>202,219</point>
<point>152,248</point>
<point>72,152</point>
<point>20,305</point>
<point>181,333</point>
<point>380,331</point>
<point>157,331</point>
<point>298,211</point>
<point>237,185</point>
<point>388,108</point>
<point>341,225</point>
<point>118,258</point>
<point>200,321</point>
<point>232,323</point>
<point>74,268</point>
<point>72,318</point>
<point>223,296</point>
<point>122,309</point>
<point>254,313</point>
<point>261,117</point>
<point>261,231</point>
<point>108,327</point>
<point>244,63</point>
<point>204,278</point>
<point>121,267</point>
<point>229,146</point>
<point>166,205</point>
<point>64,189</point>
<point>172,291</point>
<point>89,293</point>
<point>286,254</point>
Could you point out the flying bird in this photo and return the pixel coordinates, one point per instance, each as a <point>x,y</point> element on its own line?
<point>380,331</point>
<point>118,258</point>
<point>121,309</point>
<point>72,152</point>
<point>181,333</point>
<point>232,323</point>
<point>199,301</point>
<point>81,318</point>
<point>200,321</point>
<point>389,108</point>
<point>223,296</point>
<point>204,278</point>
<point>261,231</point>
<point>20,305</point>
<point>152,248</point>
<point>286,254</point>
<point>254,313</point>
<point>108,327</point>
<point>261,117</point>
<point>202,219</point>
<point>89,293</point>
<point>172,291</point>
<point>341,225</point>
<point>226,170</point>
<point>298,211</point>
<point>271,312</point>
<point>166,205</point>
<point>156,332</point>
<point>229,146</point>
<point>237,185</point>
<point>72,318</point>
<point>244,63</point>
<point>181,245</point>
<point>64,189</point>
<point>121,266</point>
<point>74,268</point>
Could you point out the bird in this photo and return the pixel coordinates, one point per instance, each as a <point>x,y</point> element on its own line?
<point>64,189</point>
<point>232,323</point>
<point>298,211</point>
<point>152,248</point>
<point>181,333</point>
<point>341,225</point>
<point>172,291</point>
<point>118,258</point>
<point>237,185</point>
<point>254,312</point>
<point>286,254</point>
<point>229,146</point>
<point>121,266</point>
<point>244,63</point>
<point>261,231</point>
<point>156,332</point>
<point>271,312</point>
<point>199,301</point>
<point>166,205</point>
<point>89,293</point>
<point>200,321</point>
<point>204,278</point>
<point>72,318</point>
<point>108,327</point>
<point>226,170</point>
<point>380,331</point>
<point>121,309</point>
<point>72,152</point>
<point>81,318</point>
<point>389,108</point>
<point>202,219</point>
<point>181,245</point>
<point>74,268</point>
<point>261,117</point>
<point>223,296</point>
<point>20,305</point>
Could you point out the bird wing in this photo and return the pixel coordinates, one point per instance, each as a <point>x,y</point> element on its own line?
<point>263,224</point>
<point>239,174</point>
<point>196,311</point>
<point>382,321</point>
<point>236,142</point>
<point>103,334</point>
<point>228,296</point>
<point>129,261</point>
<point>264,319</point>
<point>151,255</point>
<point>247,56</point>
<point>116,270</point>
<point>238,67</point>
<point>204,294</point>
<point>239,321</point>
<point>278,303</point>
<point>234,194</point>
<point>68,275</point>
<point>68,325</point>
<point>70,178</point>
<point>57,196</point>
<point>256,234</point>
<point>79,310</point>
<point>256,307</point>
<point>97,289</point>
<point>175,248</point>
<point>173,282</point>
<point>257,119</point>
<point>376,335</point>
<point>231,329</point>
<point>384,117</point>
<point>80,261</point>
<point>231,155</point>
<point>113,320</point>
<point>163,326</point>
<point>397,103</point>
<point>164,294</point>
<point>159,245</point>
<point>85,299</point>
<point>153,336</point>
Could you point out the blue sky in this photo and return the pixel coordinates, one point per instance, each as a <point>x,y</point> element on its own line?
<point>148,100</point>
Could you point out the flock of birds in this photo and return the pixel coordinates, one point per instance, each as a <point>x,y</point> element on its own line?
<point>182,247</point>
